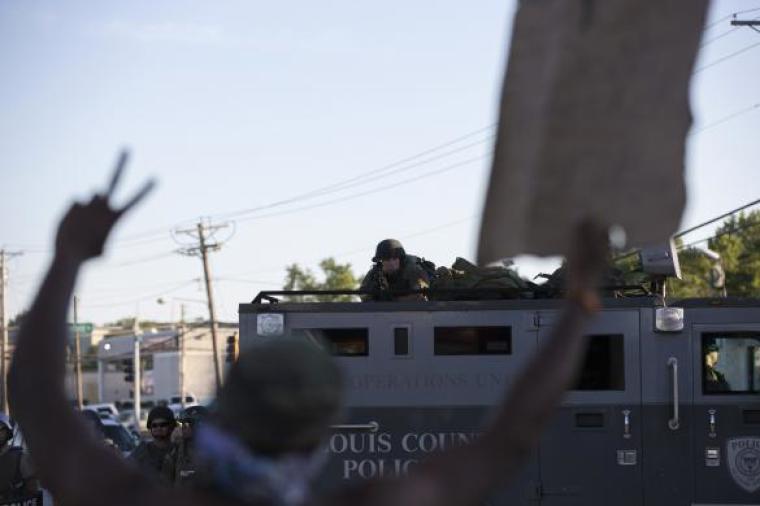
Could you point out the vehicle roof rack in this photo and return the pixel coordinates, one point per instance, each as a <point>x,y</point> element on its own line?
<point>440,294</point>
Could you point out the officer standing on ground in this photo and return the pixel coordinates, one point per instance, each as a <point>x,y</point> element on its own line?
<point>17,477</point>
<point>149,455</point>
<point>180,464</point>
<point>394,271</point>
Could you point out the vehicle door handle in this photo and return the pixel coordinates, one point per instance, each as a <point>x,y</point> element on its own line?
<point>675,422</point>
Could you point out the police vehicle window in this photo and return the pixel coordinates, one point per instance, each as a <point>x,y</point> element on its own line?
<point>401,341</point>
<point>341,342</point>
<point>472,340</point>
<point>604,367</point>
<point>731,363</point>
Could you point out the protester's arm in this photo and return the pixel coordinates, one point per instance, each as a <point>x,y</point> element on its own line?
<point>70,462</point>
<point>466,475</point>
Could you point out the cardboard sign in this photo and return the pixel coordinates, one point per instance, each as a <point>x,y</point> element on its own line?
<point>593,122</point>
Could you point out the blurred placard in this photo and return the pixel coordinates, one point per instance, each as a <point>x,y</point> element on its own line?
<point>593,122</point>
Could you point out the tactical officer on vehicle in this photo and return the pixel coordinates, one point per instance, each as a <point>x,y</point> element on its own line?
<point>149,455</point>
<point>17,477</point>
<point>395,271</point>
<point>180,465</point>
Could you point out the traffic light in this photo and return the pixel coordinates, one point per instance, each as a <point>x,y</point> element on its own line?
<point>232,348</point>
<point>129,370</point>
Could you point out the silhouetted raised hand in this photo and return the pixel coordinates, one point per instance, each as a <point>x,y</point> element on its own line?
<point>84,229</point>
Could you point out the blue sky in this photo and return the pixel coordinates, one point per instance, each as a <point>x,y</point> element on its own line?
<point>239,104</point>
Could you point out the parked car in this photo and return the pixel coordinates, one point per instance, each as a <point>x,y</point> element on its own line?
<point>121,437</point>
<point>175,403</point>
<point>189,399</point>
<point>105,407</point>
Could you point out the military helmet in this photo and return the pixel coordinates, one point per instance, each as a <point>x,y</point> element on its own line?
<point>161,413</point>
<point>388,248</point>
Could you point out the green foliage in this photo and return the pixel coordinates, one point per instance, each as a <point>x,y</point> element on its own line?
<point>335,277</point>
<point>695,274</point>
<point>737,241</point>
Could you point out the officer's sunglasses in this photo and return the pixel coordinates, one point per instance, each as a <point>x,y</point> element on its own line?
<point>160,425</point>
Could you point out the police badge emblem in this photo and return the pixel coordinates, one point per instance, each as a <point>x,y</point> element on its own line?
<point>743,455</point>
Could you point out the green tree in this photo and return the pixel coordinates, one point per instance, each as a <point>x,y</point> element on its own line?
<point>695,276</point>
<point>335,276</point>
<point>737,241</point>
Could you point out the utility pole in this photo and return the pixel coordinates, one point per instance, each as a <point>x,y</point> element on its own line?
<point>201,250</point>
<point>210,298</point>
<point>4,256</point>
<point>77,354</point>
<point>182,355</point>
<point>137,374</point>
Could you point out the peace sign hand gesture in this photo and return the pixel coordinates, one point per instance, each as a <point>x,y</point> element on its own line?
<point>85,227</point>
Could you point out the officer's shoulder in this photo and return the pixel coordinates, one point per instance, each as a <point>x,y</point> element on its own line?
<point>413,264</point>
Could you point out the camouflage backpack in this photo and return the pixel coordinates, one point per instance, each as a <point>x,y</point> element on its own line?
<point>498,282</point>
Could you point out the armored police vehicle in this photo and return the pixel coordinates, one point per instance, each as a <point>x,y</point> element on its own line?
<point>666,410</point>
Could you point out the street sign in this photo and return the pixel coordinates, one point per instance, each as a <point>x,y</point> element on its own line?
<point>83,328</point>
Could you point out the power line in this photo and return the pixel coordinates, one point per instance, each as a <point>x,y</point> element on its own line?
<point>729,16</point>
<point>713,220</point>
<point>150,287</point>
<point>246,281</point>
<point>718,37</point>
<point>153,235</point>
<point>727,57</point>
<point>139,299</point>
<point>151,258</point>
<point>355,181</point>
<point>415,234</point>
<point>730,231</point>
<point>727,32</point>
<point>731,116</point>
<point>365,249</point>
<point>368,192</point>
<point>692,229</point>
